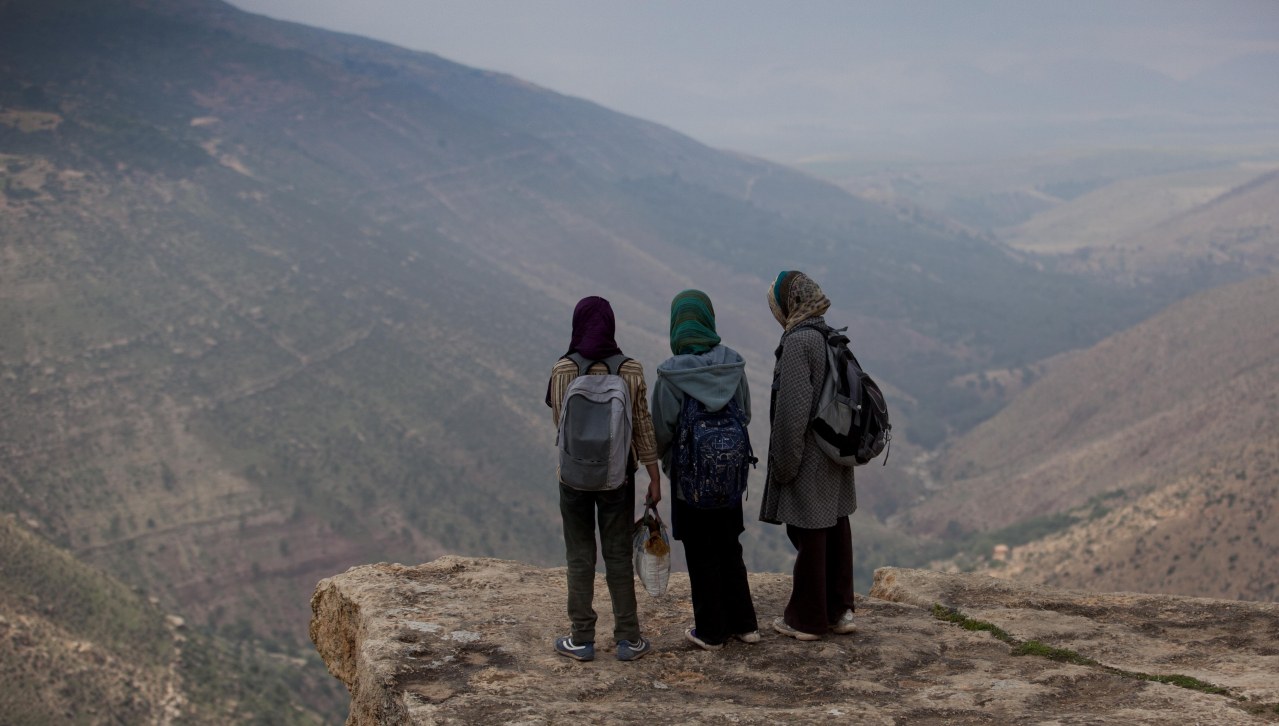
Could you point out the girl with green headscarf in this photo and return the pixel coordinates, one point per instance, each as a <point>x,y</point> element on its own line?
<point>714,374</point>
<point>692,323</point>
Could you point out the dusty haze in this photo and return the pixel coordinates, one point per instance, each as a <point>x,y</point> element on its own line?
<point>914,79</point>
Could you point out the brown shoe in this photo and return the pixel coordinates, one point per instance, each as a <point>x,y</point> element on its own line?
<point>779,624</point>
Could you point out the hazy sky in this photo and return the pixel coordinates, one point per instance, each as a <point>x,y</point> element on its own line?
<point>794,79</point>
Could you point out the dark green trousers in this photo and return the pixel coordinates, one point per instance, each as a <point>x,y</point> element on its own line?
<point>615,512</point>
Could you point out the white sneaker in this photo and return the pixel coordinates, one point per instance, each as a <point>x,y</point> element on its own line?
<point>779,624</point>
<point>752,637</point>
<point>845,624</point>
<point>690,634</point>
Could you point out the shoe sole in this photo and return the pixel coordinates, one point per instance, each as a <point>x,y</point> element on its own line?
<point>844,630</point>
<point>748,638</point>
<point>796,634</point>
<point>575,656</point>
<point>701,643</point>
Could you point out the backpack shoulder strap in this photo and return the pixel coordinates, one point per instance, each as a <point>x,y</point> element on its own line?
<point>581,362</point>
<point>615,363</point>
<point>834,336</point>
<point>837,335</point>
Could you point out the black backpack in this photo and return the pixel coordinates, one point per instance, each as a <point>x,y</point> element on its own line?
<point>850,416</point>
<point>713,455</point>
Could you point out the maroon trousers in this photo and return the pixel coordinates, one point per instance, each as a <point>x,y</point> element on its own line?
<point>822,586</point>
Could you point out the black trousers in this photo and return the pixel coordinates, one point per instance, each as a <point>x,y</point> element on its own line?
<point>615,511</point>
<point>721,595</point>
<point>822,586</point>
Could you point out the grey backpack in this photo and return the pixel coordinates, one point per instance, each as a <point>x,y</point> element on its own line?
<point>851,417</point>
<point>595,427</point>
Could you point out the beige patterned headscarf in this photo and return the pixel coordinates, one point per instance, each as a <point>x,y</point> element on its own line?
<point>794,298</point>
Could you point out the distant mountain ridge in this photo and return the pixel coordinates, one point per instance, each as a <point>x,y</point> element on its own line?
<point>1239,228</point>
<point>1218,221</point>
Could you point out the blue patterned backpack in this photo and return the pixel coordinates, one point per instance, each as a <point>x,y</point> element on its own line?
<point>713,455</point>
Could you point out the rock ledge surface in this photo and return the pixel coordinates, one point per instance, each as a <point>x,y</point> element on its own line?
<point>468,640</point>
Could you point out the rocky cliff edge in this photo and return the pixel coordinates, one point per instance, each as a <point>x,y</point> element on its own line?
<point>468,640</point>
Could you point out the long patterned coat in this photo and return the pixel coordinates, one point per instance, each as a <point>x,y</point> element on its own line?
<point>804,487</point>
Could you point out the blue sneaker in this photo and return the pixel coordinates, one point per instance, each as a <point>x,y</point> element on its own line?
<point>626,650</point>
<point>577,651</point>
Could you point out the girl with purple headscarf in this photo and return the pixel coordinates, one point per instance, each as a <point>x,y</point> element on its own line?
<point>594,338</point>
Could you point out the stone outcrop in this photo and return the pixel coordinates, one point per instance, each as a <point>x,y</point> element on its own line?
<point>468,640</point>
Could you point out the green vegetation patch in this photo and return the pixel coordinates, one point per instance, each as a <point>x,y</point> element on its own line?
<point>1027,530</point>
<point>952,615</point>
<point>1064,655</point>
<point>242,682</point>
<point>1193,684</point>
<point>971,550</point>
<point>1061,655</point>
<point>35,575</point>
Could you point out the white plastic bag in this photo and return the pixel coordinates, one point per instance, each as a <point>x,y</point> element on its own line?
<point>652,547</point>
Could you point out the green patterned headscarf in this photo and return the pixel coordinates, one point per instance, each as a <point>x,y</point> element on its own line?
<point>692,323</point>
<point>794,297</point>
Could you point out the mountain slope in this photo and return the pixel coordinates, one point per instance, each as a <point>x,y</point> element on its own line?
<point>77,646</point>
<point>1209,533</point>
<point>73,643</point>
<point>275,300</point>
<point>1187,398</point>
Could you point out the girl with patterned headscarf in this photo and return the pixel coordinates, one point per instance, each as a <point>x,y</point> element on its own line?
<point>794,297</point>
<point>715,375</point>
<point>804,490</point>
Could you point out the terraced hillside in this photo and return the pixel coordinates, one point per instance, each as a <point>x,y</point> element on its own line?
<point>77,646</point>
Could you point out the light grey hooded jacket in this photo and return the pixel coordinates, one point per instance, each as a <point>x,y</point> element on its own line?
<point>714,378</point>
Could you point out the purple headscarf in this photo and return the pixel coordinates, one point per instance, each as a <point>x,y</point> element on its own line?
<point>594,329</point>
